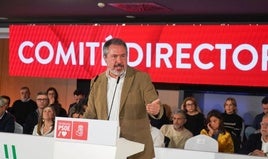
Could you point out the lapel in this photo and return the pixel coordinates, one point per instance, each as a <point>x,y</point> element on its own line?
<point>102,101</point>
<point>126,86</point>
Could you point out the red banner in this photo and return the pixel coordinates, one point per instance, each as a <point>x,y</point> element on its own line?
<point>189,54</point>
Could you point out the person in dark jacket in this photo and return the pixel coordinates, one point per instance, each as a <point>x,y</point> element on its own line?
<point>53,97</point>
<point>32,119</point>
<point>232,122</point>
<point>195,118</point>
<point>22,107</point>
<point>7,120</point>
<point>165,119</point>
<point>78,97</point>
<point>258,117</point>
<point>257,144</point>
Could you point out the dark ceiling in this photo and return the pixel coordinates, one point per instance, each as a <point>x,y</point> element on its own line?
<point>144,11</point>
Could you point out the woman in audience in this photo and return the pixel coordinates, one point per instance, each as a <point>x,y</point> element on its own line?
<point>195,119</point>
<point>53,97</point>
<point>233,123</point>
<point>46,121</point>
<point>215,129</point>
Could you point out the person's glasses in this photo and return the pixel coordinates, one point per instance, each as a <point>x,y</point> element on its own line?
<point>42,99</point>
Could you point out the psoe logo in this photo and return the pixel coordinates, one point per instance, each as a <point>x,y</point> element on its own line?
<point>8,152</point>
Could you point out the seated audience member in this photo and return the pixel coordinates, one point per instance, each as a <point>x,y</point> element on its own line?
<point>78,109</point>
<point>258,118</point>
<point>176,132</point>
<point>7,121</point>
<point>215,129</point>
<point>78,96</point>
<point>195,119</point>
<point>232,122</point>
<point>32,119</point>
<point>158,137</point>
<point>257,144</point>
<point>46,121</point>
<point>53,97</point>
<point>23,107</point>
<point>165,119</point>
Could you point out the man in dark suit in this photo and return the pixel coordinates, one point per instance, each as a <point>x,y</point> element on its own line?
<point>257,144</point>
<point>7,121</point>
<point>22,107</point>
<point>124,94</point>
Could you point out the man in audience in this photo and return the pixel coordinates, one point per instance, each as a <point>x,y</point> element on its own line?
<point>22,107</point>
<point>257,144</point>
<point>258,118</point>
<point>7,121</point>
<point>176,132</point>
<point>78,96</point>
<point>78,109</point>
<point>32,119</point>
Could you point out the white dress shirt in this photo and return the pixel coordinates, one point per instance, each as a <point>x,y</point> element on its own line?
<point>113,99</point>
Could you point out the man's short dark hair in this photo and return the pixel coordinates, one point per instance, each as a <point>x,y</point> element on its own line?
<point>41,93</point>
<point>78,92</point>
<point>265,100</point>
<point>113,41</point>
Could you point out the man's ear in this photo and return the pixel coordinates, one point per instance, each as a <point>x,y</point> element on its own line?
<point>105,58</point>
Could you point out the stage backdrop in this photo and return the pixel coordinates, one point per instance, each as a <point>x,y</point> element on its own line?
<point>189,54</point>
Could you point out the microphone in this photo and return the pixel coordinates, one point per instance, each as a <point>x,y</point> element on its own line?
<point>92,84</point>
<point>113,98</point>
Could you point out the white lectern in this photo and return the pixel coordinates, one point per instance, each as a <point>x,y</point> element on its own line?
<point>20,146</point>
<point>95,139</point>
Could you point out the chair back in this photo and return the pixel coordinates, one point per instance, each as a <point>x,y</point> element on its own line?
<point>202,143</point>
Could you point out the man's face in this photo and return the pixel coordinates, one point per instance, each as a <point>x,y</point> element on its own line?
<point>116,60</point>
<point>41,101</point>
<point>2,110</point>
<point>3,107</point>
<point>24,94</point>
<point>264,127</point>
<point>78,98</point>
<point>265,108</point>
<point>178,121</point>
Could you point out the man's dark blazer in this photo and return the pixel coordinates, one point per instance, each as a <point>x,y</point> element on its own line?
<point>254,142</point>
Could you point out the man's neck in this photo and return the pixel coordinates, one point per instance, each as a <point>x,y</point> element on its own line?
<point>25,100</point>
<point>192,113</point>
